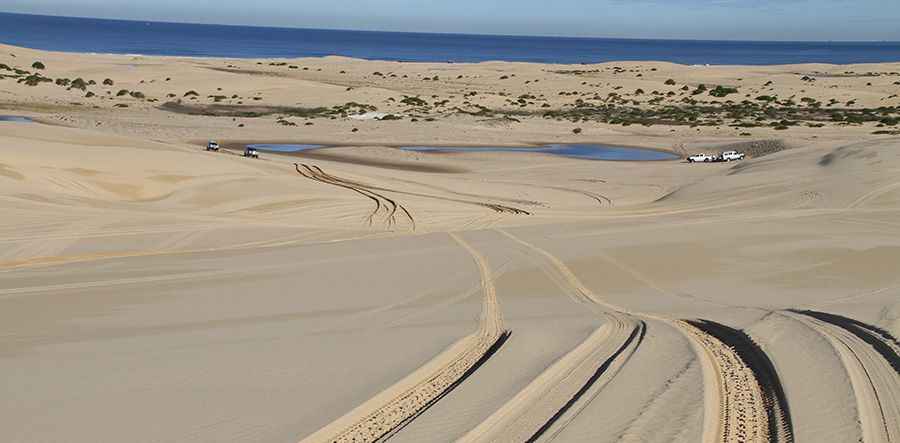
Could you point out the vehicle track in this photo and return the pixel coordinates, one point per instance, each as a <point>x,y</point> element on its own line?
<point>381,201</point>
<point>745,400</point>
<point>560,393</point>
<point>871,359</point>
<point>497,207</point>
<point>731,380</point>
<point>738,411</point>
<point>556,397</point>
<point>388,412</point>
<point>875,193</point>
<point>599,198</point>
<point>736,354</point>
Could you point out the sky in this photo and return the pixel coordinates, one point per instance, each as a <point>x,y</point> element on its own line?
<point>808,20</point>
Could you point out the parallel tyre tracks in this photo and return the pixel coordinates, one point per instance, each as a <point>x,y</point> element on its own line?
<point>391,207</point>
<point>381,201</point>
<point>745,401</point>
<point>388,412</point>
<point>553,399</point>
<point>870,357</point>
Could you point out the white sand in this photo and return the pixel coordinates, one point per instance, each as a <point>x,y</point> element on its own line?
<point>151,291</point>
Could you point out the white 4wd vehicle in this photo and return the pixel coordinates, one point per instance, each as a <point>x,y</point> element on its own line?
<point>732,155</point>
<point>701,158</point>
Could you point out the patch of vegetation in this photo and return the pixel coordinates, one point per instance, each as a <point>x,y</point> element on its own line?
<point>413,101</point>
<point>670,82</point>
<point>34,80</point>
<point>191,93</point>
<point>138,95</point>
<point>722,91</point>
<point>79,83</point>
<point>108,82</point>
<point>38,65</point>
<point>122,92</point>
<point>700,89</point>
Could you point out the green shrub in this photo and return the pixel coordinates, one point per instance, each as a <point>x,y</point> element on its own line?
<point>700,89</point>
<point>138,95</point>
<point>413,101</point>
<point>576,131</point>
<point>122,92</point>
<point>38,65</point>
<point>722,91</point>
<point>670,82</point>
<point>34,80</point>
<point>108,82</point>
<point>79,83</point>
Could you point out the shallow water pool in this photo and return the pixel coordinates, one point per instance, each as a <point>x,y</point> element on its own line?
<point>583,151</point>
<point>14,118</point>
<point>278,147</point>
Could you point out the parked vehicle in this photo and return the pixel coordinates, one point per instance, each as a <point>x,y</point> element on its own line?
<point>212,146</point>
<point>732,155</point>
<point>251,152</point>
<point>706,158</point>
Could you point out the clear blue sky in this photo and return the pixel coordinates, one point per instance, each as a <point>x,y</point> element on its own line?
<point>691,19</point>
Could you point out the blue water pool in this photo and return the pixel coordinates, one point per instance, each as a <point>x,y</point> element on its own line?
<point>277,147</point>
<point>584,151</point>
<point>14,118</point>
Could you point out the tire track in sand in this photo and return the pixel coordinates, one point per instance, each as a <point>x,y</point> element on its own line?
<point>745,400</point>
<point>496,207</point>
<point>381,201</point>
<point>389,411</point>
<point>752,404</point>
<point>553,399</point>
<point>871,360</point>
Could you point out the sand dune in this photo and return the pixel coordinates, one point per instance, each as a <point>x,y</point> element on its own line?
<point>153,291</point>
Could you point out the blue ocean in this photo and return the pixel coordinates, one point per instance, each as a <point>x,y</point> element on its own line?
<point>155,38</point>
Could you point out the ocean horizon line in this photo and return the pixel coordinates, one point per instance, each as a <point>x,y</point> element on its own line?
<point>200,40</point>
<point>472,34</point>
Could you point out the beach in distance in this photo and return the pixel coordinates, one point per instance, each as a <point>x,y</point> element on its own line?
<point>233,234</point>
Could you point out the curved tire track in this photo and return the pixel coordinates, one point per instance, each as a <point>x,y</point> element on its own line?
<point>745,400</point>
<point>735,353</point>
<point>316,173</point>
<point>740,413</point>
<point>557,396</point>
<point>388,412</point>
<point>870,357</point>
